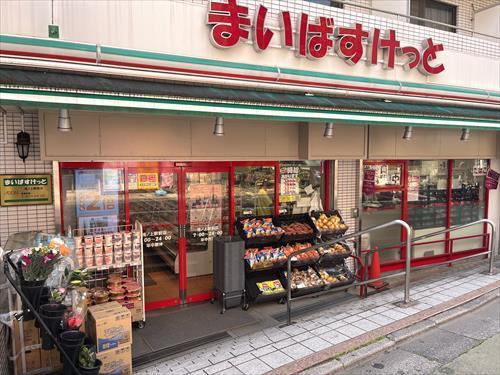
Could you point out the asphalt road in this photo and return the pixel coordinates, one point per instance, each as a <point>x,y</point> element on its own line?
<point>467,345</point>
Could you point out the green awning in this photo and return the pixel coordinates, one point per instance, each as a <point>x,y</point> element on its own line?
<point>62,89</point>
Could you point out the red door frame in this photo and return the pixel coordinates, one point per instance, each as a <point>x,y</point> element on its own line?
<point>180,168</point>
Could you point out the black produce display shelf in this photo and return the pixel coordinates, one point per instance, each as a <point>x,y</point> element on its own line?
<point>253,292</point>
<point>259,241</point>
<point>276,266</point>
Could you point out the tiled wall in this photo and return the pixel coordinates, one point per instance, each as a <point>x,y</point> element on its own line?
<point>466,9</point>
<point>23,218</point>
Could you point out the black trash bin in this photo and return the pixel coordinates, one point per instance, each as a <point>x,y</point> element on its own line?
<point>229,271</point>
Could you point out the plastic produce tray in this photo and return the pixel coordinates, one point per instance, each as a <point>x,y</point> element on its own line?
<point>258,241</point>
<point>329,233</point>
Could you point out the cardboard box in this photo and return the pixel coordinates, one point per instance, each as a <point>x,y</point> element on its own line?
<point>135,310</point>
<point>116,361</point>
<point>109,327</point>
<point>32,362</point>
<point>31,334</point>
<point>50,359</point>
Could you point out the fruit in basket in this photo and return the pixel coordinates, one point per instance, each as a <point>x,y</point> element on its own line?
<point>330,223</point>
<point>336,248</point>
<point>305,279</point>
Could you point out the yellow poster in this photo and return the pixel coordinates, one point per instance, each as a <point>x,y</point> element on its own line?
<point>147,181</point>
<point>24,189</point>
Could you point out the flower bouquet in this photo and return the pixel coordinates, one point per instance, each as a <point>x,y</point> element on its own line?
<point>36,265</point>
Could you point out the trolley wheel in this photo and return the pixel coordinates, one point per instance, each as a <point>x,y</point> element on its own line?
<point>141,324</point>
<point>245,306</point>
<point>282,301</point>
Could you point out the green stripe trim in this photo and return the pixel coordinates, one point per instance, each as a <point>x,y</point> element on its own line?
<point>233,65</point>
<point>50,43</point>
<point>27,200</point>
<point>212,108</point>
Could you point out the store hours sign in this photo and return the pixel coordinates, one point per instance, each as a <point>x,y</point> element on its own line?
<point>231,24</point>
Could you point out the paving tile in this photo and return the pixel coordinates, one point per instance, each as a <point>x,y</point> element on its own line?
<point>220,356</point>
<point>297,351</point>
<point>334,337</point>
<point>254,367</point>
<point>352,318</point>
<point>302,336</point>
<point>245,348</point>
<point>293,329</point>
<point>263,351</point>
<point>366,325</point>
<point>284,343</point>
<point>381,319</point>
<point>350,331</point>
<point>337,324</point>
<point>199,372</point>
<point>260,342</point>
<point>230,371</point>
<point>366,314</point>
<point>276,359</point>
<point>316,344</point>
<point>318,331</point>
<point>396,315</point>
<point>218,367</point>
<point>241,359</point>
<point>197,366</point>
<point>381,309</point>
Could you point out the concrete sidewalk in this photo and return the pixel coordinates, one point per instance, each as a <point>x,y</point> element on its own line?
<point>317,337</point>
<point>469,344</point>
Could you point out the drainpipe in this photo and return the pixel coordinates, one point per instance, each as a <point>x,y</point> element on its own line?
<point>4,126</point>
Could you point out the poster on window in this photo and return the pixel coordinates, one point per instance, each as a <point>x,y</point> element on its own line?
<point>413,186</point>
<point>98,224</point>
<point>91,199</point>
<point>369,181</point>
<point>289,184</point>
<point>111,180</point>
<point>491,180</point>
<point>147,181</point>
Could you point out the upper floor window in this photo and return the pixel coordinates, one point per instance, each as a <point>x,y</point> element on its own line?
<point>435,11</point>
<point>331,3</point>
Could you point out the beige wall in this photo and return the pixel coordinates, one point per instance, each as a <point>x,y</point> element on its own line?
<point>110,136</point>
<point>386,142</point>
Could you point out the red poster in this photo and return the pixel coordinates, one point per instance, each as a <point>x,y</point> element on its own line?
<point>491,180</point>
<point>369,181</point>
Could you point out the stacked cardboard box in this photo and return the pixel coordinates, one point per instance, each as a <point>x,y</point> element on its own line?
<point>109,325</point>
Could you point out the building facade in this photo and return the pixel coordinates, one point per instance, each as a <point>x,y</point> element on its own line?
<point>304,113</point>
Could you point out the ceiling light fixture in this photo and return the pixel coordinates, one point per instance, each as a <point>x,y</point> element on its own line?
<point>219,126</point>
<point>328,130</point>
<point>465,135</point>
<point>408,133</point>
<point>64,124</point>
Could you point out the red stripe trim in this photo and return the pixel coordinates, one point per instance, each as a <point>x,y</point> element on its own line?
<point>243,76</point>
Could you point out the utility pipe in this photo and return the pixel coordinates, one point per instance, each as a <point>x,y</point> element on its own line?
<point>4,126</point>
<point>234,83</point>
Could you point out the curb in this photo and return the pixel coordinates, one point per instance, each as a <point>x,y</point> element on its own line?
<point>345,354</point>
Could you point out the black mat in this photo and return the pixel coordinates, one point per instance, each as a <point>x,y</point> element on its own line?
<point>174,330</point>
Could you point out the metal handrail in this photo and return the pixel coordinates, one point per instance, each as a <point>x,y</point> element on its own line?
<point>402,223</point>
<point>493,241</point>
<point>410,17</point>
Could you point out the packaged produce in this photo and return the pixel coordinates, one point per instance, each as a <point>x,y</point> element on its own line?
<point>264,258</point>
<point>296,228</point>
<point>270,287</point>
<point>334,249</point>
<point>260,227</point>
<point>305,279</point>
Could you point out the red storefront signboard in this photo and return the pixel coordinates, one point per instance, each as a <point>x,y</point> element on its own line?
<point>491,180</point>
<point>230,23</point>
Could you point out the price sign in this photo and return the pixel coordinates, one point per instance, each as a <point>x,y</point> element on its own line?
<point>369,181</point>
<point>491,180</point>
<point>156,238</point>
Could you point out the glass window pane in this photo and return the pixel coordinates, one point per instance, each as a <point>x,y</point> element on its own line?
<point>386,175</point>
<point>300,187</point>
<point>468,195</point>
<point>380,208</point>
<point>427,203</point>
<point>254,190</point>
<point>93,199</point>
<point>153,200</point>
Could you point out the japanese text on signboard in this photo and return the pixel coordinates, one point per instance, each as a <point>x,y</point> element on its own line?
<point>231,23</point>
<point>156,238</point>
<point>25,190</point>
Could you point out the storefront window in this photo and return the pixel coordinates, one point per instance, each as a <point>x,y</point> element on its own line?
<point>467,201</point>
<point>427,203</point>
<point>153,200</point>
<point>254,190</point>
<point>93,199</point>
<point>300,187</point>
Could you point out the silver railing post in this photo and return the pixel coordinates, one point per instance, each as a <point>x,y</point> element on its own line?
<point>289,290</point>
<point>493,244</point>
